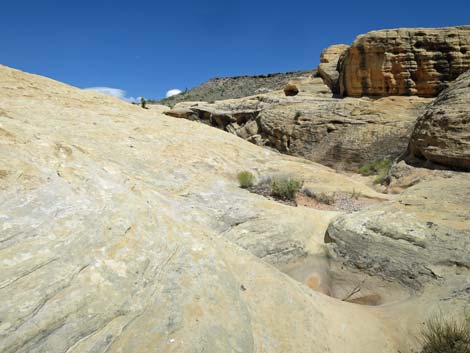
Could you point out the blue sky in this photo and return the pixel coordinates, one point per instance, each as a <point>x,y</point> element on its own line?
<point>146,48</point>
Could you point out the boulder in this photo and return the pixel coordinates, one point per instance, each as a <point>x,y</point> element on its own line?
<point>180,113</point>
<point>328,67</point>
<point>405,61</point>
<point>442,134</point>
<point>248,130</point>
<point>291,90</point>
<point>416,238</point>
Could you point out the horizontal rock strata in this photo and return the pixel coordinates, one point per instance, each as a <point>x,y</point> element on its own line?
<point>405,61</point>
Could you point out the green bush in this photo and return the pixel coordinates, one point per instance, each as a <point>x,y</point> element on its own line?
<point>246,179</point>
<point>285,188</point>
<point>446,336</point>
<point>379,168</point>
<point>143,103</point>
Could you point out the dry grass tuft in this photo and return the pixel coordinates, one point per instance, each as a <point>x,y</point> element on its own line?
<point>446,336</point>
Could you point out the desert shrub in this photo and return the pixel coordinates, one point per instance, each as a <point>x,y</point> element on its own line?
<point>327,199</point>
<point>379,168</point>
<point>322,197</point>
<point>245,179</point>
<point>445,336</point>
<point>285,188</point>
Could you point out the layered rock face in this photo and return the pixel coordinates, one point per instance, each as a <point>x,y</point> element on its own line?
<point>407,61</point>
<point>328,67</point>
<point>343,133</point>
<point>124,230</point>
<point>420,236</point>
<point>442,134</point>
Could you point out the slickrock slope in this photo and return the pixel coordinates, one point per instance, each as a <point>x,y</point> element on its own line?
<point>421,236</point>
<point>328,67</point>
<point>342,133</point>
<point>405,61</point>
<point>442,133</point>
<point>123,230</point>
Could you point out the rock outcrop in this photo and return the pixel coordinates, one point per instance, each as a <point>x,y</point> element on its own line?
<point>405,61</point>
<point>418,237</point>
<point>344,133</point>
<point>328,67</point>
<point>442,134</point>
<point>236,87</point>
<point>124,230</point>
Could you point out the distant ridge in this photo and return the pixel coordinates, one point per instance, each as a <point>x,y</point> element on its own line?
<point>235,87</point>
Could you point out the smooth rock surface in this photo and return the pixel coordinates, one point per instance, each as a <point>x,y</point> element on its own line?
<point>442,134</point>
<point>123,230</point>
<point>405,61</point>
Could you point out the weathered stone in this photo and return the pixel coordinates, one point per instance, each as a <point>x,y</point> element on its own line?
<point>328,67</point>
<point>442,134</point>
<point>413,239</point>
<point>249,129</point>
<point>124,230</point>
<point>180,113</point>
<point>405,61</point>
<point>341,133</point>
<point>291,90</point>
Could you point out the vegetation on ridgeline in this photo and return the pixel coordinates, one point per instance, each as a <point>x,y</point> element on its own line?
<point>234,87</point>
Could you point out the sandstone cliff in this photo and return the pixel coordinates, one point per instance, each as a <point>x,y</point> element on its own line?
<point>405,61</point>
<point>442,133</point>
<point>328,67</point>
<point>341,133</point>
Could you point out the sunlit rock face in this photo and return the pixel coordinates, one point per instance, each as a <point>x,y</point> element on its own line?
<point>124,230</point>
<point>328,67</point>
<point>442,134</point>
<point>341,133</point>
<point>406,61</point>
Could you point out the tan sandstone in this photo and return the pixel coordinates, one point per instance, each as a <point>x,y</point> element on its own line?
<point>405,61</point>
<point>341,133</point>
<point>442,134</point>
<point>124,230</point>
<point>328,67</point>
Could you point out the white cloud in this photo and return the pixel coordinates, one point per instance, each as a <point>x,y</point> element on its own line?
<point>115,92</point>
<point>173,92</point>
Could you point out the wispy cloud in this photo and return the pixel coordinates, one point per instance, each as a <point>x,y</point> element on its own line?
<point>115,92</point>
<point>173,92</point>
